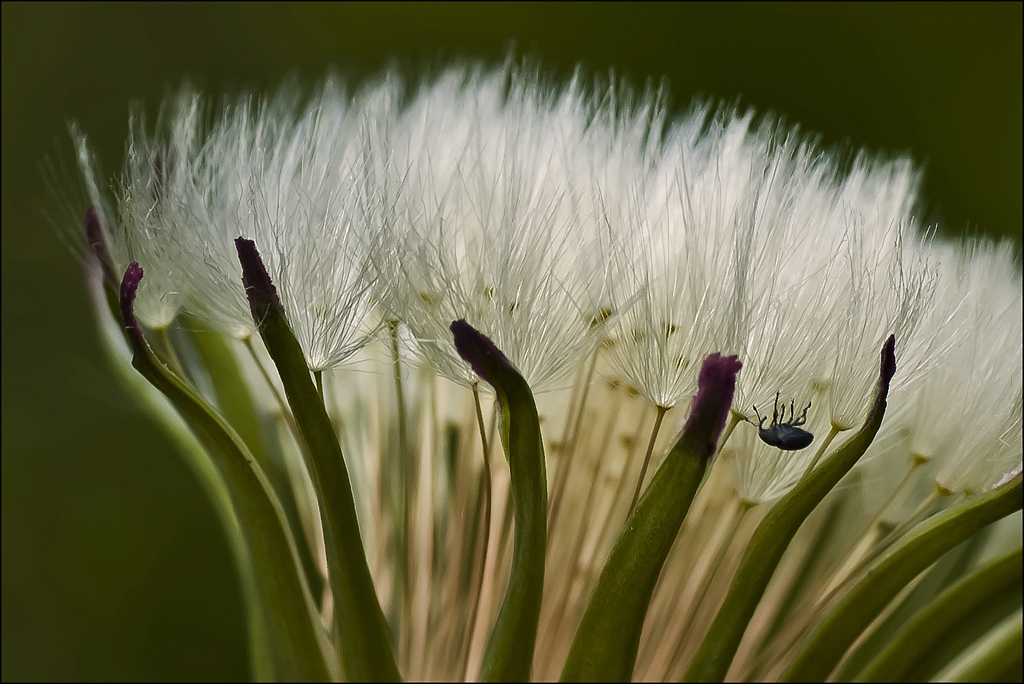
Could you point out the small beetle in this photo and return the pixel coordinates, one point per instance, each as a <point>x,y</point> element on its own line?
<point>785,436</point>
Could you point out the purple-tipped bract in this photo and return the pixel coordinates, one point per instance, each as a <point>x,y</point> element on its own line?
<point>477,350</point>
<point>885,373</point>
<point>129,287</point>
<point>259,288</point>
<point>715,387</point>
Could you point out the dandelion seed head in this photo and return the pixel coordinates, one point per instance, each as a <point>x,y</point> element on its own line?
<point>483,228</point>
<point>982,396</point>
<point>278,171</point>
<point>606,250</point>
<point>676,296</point>
<point>143,225</point>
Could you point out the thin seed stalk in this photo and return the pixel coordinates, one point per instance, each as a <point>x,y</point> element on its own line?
<point>659,416</point>
<point>485,530</point>
<point>569,446</point>
<point>406,477</point>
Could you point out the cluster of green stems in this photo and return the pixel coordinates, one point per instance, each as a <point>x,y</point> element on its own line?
<point>287,632</point>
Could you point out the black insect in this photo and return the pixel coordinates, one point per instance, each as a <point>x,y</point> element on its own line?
<point>786,436</point>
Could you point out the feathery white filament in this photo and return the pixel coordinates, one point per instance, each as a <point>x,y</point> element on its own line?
<point>483,224</point>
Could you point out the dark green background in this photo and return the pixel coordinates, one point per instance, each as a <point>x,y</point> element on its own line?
<point>113,565</point>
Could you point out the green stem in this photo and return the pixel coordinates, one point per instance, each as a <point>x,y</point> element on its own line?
<point>237,404</point>
<point>574,562</point>
<point>919,636</point>
<point>889,574</point>
<point>922,591</point>
<point>288,642</point>
<point>773,535</point>
<point>509,653</point>
<point>823,536</point>
<point>606,641</point>
<point>364,646</point>
<point>995,658</point>
<point>848,569</point>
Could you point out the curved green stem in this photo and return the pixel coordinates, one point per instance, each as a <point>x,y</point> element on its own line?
<point>509,653</point>
<point>916,639</point>
<point>607,639</point>
<point>772,537</point>
<point>364,645</point>
<point>890,574</point>
<point>995,658</point>
<point>236,403</point>
<point>284,622</point>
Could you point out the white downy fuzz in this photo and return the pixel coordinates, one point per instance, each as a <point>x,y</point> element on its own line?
<point>749,241</point>
<point>279,172</point>
<point>482,223</point>
<point>683,258</point>
<point>980,400</point>
<point>150,221</point>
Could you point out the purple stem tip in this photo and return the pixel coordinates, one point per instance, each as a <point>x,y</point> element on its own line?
<point>885,373</point>
<point>129,287</point>
<point>259,288</point>
<point>888,363</point>
<point>477,349</point>
<point>716,385</point>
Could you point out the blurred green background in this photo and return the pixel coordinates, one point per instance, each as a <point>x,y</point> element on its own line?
<point>113,564</point>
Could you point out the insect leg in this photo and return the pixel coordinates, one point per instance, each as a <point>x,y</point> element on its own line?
<point>803,416</point>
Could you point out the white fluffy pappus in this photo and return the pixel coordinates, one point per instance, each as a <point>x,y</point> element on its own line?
<point>482,223</point>
<point>283,172</point>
